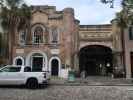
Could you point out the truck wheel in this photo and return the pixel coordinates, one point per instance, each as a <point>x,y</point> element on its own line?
<point>32,84</point>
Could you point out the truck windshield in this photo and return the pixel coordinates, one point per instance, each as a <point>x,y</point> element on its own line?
<point>11,69</point>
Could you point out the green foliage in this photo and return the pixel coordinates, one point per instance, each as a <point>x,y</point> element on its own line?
<point>124,3</point>
<point>4,17</point>
<point>25,16</point>
<point>111,2</point>
<point>11,4</point>
<point>122,19</point>
<point>14,13</point>
<point>125,16</point>
<point>106,1</point>
<point>128,7</point>
<point>127,2</point>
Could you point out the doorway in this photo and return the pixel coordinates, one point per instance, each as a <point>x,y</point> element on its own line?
<point>37,63</point>
<point>96,60</point>
<point>54,67</point>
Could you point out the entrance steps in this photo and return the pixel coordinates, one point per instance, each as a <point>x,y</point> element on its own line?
<point>92,81</point>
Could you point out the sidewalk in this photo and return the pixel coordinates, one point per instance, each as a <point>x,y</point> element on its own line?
<point>93,81</point>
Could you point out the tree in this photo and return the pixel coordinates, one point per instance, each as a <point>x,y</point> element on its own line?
<point>124,2</point>
<point>128,9</point>
<point>125,16</point>
<point>15,15</point>
<point>111,2</point>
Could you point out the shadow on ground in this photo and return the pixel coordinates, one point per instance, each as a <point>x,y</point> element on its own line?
<point>20,87</point>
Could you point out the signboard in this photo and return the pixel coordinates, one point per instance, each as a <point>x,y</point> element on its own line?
<point>55,51</point>
<point>19,51</point>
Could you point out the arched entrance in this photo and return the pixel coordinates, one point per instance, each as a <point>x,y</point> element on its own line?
<point>96,60</point>
<point>37,60</point>
<point>55,66</point>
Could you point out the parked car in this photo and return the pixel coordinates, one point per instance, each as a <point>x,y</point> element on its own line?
<point>22,75</point>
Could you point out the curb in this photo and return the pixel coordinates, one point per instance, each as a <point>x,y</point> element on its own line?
<point>68,84</point>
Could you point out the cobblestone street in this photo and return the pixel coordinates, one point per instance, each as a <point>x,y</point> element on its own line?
<point>69,93</point>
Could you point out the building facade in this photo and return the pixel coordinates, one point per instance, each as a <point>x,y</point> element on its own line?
<point>128,49</point>
<point>51,42</point>
<point>56,42</point>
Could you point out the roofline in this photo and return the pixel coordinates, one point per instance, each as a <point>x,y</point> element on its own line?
<point>98,25</point>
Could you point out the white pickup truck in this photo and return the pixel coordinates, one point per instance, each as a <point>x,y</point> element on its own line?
<point>22,75</point>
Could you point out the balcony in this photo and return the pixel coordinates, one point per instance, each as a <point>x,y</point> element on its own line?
<point>40,45</point>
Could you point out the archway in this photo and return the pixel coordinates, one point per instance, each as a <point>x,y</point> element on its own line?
<point>55,66</point>
<point>96,60</point>
<point>37,58</point>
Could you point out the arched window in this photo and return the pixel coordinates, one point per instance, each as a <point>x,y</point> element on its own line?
<point>38,35</point>
<point>54,35</point>
<point>19,61</point>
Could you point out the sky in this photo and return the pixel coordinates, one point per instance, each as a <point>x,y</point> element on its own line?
<point>87,11</point>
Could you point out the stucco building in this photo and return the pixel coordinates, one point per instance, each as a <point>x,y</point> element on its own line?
<point>125,45</point>
<point>57,42</point>
<point>51,43</point>
<point>128,47</point>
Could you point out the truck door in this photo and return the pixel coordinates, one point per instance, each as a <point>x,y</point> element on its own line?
<point>12,75</point>
<point>3,78</point>
<point>15,76</point>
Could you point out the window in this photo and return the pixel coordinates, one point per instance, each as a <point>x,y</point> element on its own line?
<point>38,35</point>
<point>11,69</point>
<point>19,62</point>
<point>131,32</point>
<point>54,35</point>
<point>22,37</point>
